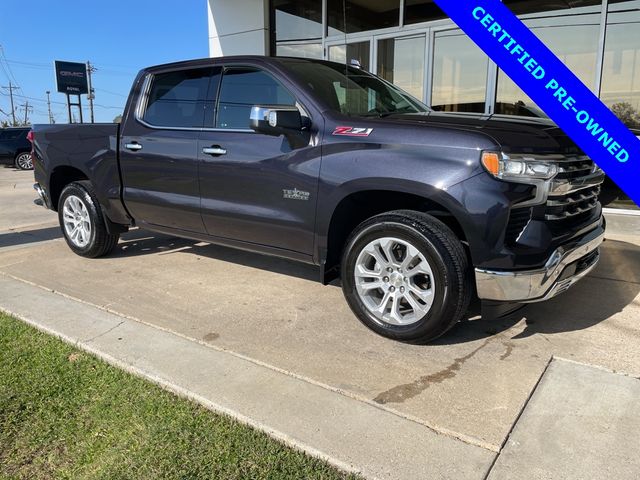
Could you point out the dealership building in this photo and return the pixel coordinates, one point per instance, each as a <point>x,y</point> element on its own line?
<point>413,44</point>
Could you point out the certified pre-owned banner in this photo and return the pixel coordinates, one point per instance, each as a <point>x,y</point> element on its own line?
<point>562,96</point>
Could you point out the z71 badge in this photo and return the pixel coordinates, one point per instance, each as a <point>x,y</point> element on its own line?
<point>352,131</point>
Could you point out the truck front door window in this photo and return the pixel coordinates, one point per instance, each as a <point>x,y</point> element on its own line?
<point>241,89</point>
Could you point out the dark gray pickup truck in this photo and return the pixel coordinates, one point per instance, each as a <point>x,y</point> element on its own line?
<point>323,163</point>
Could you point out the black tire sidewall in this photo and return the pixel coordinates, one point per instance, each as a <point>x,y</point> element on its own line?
<point>435,322</point>
<point>79,191</point>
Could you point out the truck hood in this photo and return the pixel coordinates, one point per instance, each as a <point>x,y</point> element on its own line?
<point>513,134</point>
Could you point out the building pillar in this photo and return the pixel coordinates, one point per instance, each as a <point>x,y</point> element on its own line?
<point>238,27</point>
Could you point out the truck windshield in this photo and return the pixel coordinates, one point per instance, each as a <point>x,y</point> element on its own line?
<point>354,92</point>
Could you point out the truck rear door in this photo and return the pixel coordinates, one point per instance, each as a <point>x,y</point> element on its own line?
<point>159,149</point>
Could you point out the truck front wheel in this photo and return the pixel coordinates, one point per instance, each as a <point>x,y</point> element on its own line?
<point>406,276</point>
<point>82,223</point>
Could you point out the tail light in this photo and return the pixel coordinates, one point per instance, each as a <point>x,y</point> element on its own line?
<point>30,136</point>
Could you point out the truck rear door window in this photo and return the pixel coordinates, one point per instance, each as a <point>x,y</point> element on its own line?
<point>241,89</point>
<point>177,99</point>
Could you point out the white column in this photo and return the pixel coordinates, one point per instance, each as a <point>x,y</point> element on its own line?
<point>238,27</point>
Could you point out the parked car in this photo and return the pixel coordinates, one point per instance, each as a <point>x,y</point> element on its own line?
<point>15,146</point>
<point>416,211</point>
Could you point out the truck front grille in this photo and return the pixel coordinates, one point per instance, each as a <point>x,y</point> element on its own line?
<point>574,167</point>
<point>573,196</point>
<point>572,204</point>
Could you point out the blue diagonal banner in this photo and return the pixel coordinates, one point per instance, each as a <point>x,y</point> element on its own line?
<point>549,83</point>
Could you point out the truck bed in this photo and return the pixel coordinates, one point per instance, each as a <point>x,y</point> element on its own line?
<point>90,151</point>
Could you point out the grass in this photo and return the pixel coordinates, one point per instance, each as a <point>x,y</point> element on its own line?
<point>67,414</point>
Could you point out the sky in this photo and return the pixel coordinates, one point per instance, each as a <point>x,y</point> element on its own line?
<point>119,37</point>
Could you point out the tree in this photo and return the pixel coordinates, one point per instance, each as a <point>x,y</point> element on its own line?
<point>627,114</point>
<point>117,119</point>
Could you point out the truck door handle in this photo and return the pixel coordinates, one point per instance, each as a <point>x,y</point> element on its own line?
<point>214,150</point>
<point>133,146</point>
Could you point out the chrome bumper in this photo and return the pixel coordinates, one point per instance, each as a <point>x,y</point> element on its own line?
<point>551,280</point>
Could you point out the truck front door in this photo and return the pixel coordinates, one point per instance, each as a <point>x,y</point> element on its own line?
<point>257,188</point>
<point>159,149</point>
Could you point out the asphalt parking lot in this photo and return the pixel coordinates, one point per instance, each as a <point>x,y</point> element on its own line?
<point>471,385</point>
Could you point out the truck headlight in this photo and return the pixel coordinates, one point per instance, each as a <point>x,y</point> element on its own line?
<point>521,168</point>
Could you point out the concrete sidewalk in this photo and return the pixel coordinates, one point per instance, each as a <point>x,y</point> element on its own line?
<point>581,421</point>
<point>350,434</point>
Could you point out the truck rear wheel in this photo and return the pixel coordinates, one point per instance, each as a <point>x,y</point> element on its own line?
<point>406,276</point>
<point>82,223</point>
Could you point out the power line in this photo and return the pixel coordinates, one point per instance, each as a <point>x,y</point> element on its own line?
<point>109,106</point>
<point>45,66</point>
<point>4,70</point>
<point>110,92</point>
<point>8,66</point>
<point>37,99</point>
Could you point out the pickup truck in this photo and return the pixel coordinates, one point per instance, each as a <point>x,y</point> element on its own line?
<point>417,212</point>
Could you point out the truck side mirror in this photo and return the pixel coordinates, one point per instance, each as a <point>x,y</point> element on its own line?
<point>275,120</point>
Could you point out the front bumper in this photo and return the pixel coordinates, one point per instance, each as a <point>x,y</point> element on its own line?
<point>568,264</point>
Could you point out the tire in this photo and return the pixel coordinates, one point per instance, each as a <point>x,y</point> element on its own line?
<point>82,223</point>
<point>23,161</point>
<point>426,287</point>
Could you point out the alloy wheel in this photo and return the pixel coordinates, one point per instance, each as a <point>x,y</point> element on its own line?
<point>24,161</point>
<point>394,281</point>
<point>77,223</point>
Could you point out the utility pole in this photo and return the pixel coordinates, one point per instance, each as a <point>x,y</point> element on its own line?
<point>11,88</point>
<point>27,109</point>
<point>90,70</point>
<point>49,106</point>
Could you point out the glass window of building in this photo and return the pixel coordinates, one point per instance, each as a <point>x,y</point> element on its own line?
<point>459,74</point>
<point>621,71</point>
<point>353,51</point>
<point>298,19</point>
<point>521,7</point>
<point>361,15</point>
<point>575,45</point>
<point>418,11</point>
<point>304,50</point>
<point>620,89</point>
<point>401,61</point>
